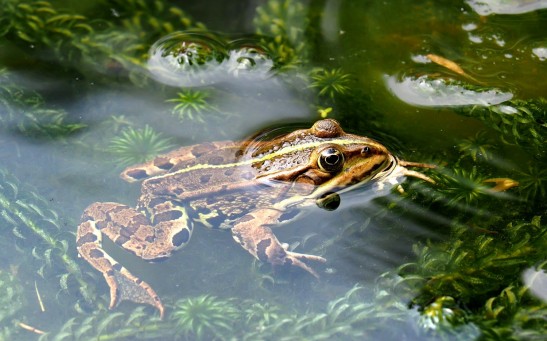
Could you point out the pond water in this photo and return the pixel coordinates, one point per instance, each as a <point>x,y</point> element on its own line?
<point>88,89</point>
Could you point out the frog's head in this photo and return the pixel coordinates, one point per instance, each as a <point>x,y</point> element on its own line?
<point>325,160</point>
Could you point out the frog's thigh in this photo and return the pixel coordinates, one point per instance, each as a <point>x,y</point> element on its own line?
<point>133,231</point>
<point>253,234</point>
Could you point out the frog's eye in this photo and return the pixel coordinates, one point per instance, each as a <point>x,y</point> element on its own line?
<point>331,160</point>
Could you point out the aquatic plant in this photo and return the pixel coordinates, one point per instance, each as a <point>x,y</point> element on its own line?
<point>108,325</point>
<point>204,317</point>
<point>260,314</point>
<point>281,22</point>
<point>461,185</point>
<point>135,146</point>
<point>26,112</point>
<point>477,147</point>
<point>11,302</point>
<point>444,312</point>
<point>533,182</point>
<point>513,315</point>
<point>37,231</point>
<point>191,105</point>
<point>472,264</point>
<point>111,47</point>
<point>330,83</point>
<point>521,122</point>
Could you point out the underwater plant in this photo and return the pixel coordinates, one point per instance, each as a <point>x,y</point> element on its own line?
<point>111,46</point>
<point>11,301</point>
<point>107,325</point>
<point>191,105</point>
<point>37,231</point>
<point>204,317</point>
<point>463,186</point>
<point>533,182</point>
<point>137,145</point>
<point>283,21</point>
<point>25,111</point>
<point>477,147</point>
<point>472,264</point>
<point>521,122</point>
<point>330,83</point>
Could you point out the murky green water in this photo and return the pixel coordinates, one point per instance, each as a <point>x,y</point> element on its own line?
<point>88,89</point>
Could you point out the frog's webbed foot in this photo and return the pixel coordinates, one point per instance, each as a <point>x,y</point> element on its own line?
<point>117,222</point>
<point>253,234</point>
<point>123,285</point>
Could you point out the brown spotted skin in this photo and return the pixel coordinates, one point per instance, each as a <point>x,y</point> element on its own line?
<point>247,187</point>
<point>164,163</point>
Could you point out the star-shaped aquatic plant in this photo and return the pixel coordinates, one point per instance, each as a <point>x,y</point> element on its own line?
<point>477,147</point>
<point>330,83</point>
<point>204,317</point>
<point>137,145</point>
<point>533,182</point>
<point>191,105</point>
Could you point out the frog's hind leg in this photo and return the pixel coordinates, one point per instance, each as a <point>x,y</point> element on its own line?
<point>253,234</point>
<point>133,231</point>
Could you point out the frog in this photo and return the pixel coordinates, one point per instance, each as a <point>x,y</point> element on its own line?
<point>246,187</point>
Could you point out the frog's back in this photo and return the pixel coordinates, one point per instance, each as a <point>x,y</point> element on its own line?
<point>178,158</point>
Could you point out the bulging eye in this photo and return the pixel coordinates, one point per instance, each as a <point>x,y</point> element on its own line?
<point>331,160</point>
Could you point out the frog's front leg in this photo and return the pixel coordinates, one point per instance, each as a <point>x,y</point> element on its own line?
<point>252,232</point>
<point>153,239</point>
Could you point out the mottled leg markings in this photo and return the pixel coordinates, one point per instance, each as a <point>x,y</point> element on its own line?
<point>253,234</point>
<point>134,232</point>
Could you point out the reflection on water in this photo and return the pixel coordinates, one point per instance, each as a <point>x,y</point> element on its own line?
<point>488,7</point>
<point>88,89</point>
<point>422,91</point>
<point>199,59</point>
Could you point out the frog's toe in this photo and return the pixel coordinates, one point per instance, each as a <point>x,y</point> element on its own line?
<point>307,257</point>
<point>294,258</point>
<point>125,286</point>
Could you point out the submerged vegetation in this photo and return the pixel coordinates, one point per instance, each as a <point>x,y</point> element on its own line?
<point>477,277</point>
<point>191,105</point>
<point>135,146</point>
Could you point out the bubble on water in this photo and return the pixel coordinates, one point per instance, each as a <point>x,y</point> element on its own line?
<point>192,59</point>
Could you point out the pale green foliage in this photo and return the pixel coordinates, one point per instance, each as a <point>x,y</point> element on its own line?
<point>283,21</point>
<point>477,147</point>
<point>330,83</point>
<point>192,105</point>
<point>137,145</point>
<point>204,317</point>
<point>38,232</point>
